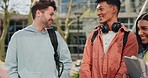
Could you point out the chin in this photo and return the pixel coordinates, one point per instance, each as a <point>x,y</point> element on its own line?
<point>145,42</point>
<point>101,21</point>
<point>48,26</point>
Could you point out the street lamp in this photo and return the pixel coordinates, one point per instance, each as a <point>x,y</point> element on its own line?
<point>78,14</point>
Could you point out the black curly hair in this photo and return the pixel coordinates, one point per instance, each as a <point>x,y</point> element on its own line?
<point>116,3</point>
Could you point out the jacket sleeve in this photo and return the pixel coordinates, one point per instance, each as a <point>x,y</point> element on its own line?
<point>131,48</point>
<point>65,56</point>
<point>11,58</point>
<point>85,68</point>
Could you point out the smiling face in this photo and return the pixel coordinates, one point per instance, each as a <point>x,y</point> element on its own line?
<point>143,30</point>
<point>105,12</point>
<point>47,16</point>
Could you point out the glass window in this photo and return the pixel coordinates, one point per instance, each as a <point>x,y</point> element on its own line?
<point>76,41</point>
<point>123,20</point>
<point>128,22</point>
<point>122,9</point>
<point>64,8</point>
<point>131,20</point>
<point>14,26</point>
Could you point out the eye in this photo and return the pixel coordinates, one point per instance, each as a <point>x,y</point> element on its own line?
<point>101,9</point>
<point>144,28</point>
<point>52,13</point>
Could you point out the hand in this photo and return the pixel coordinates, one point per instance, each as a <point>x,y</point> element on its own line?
<point>125,75</point>
<point>3,72</point>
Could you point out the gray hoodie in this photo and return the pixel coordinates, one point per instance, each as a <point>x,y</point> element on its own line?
<point>30,54</point>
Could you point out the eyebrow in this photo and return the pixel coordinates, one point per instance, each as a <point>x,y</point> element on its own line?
<point>142,26</point>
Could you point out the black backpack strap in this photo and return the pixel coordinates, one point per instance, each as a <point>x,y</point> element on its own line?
<point>54,41</point>
<point>125,39</point>
<point>53,38</point>
<point>94,36</point>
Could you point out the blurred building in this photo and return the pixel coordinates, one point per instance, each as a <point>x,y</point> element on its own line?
<point>128,14</point>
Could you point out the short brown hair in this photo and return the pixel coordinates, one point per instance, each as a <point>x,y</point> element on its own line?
<point>42,4</point>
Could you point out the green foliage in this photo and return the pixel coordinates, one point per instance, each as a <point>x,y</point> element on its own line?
<point>75,75</point>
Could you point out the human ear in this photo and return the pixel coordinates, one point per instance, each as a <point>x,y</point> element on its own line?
<point>114,9</point>
<point>38,12</point>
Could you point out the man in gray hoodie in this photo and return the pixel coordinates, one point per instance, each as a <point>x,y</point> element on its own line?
<point>30,52</point>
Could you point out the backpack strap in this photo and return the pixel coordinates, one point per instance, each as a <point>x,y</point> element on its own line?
<point>94,36</point>
<point>54,41</point>
<point>125,39</point>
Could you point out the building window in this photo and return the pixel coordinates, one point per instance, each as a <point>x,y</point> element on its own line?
<point>72,42</point>
<point>128,22</point>
<point>14,26</point>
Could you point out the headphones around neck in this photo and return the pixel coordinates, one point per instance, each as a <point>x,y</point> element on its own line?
<point>115,27</point>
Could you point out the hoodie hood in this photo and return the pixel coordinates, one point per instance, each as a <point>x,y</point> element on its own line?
<point>32,28</point>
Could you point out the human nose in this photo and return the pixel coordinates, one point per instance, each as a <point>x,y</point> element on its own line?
<point>140,32</point>
<point>99,13</point>
<point>52,17</point>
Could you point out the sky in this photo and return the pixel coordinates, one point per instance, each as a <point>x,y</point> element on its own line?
<point>23,6</point>
<point>74,1</point>
<point>20,6</point>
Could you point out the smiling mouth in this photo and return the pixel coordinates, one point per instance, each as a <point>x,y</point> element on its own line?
<point>143,38</point>
<point>50,20</point>
<point>100,18</point>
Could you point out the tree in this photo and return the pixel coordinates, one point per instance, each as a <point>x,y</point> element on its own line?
<point>30,15</point>
<point>67,24</point>
<point>16,7</point>
<point>5,29</point>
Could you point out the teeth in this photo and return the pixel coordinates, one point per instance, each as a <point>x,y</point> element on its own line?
<point>143,37</point>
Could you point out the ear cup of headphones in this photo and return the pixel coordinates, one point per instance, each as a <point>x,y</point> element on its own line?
<point>105,28</point>
<point>116,26</point>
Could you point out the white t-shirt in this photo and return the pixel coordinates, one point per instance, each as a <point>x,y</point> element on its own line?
<point>107,38</point>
